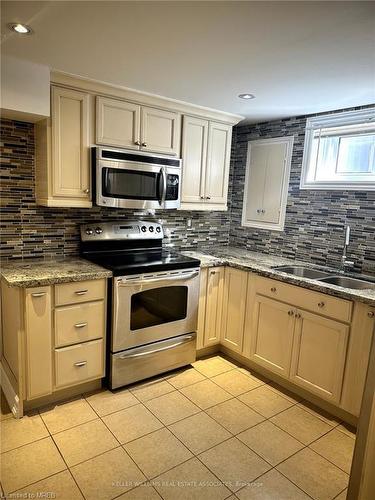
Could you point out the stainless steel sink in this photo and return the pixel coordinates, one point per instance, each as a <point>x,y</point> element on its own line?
<point>347,282</point>
<point>302,272</point>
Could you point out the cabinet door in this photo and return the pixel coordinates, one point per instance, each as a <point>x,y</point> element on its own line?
<point>38,320</point>
<point>273,187</point>
<point>272,339</point>
<point>214,303</point>
<point>319,353</point>
<point>117,123</point>
<point>70,144</point>
<point>202,308</point>
<point>218,158</point>
<point>194,155</point>
<point>161,131</point>
<point>234,304</point>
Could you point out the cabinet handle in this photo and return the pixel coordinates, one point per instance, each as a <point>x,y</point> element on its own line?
<point>38,294</point>
<point>291,313</point>
<point>144,144</point>
<point>371,314</point>
<point>263,211</point>
<point>208,197</point>
<point>137,143</point>
<point>298,315</point>
<point>202,197</point>
<point>80,363</point>
<point>212,272</point>
<point>80,325</point>
<point>321,304</point>
<point>258,210</point>
<point>81,292</point>
<point>273,289</point>
<point>86,191</point>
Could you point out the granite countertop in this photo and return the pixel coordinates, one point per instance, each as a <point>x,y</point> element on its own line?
<point>262,264</point>
<point>39,272</point>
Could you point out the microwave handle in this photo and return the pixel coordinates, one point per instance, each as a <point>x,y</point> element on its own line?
<point>163,177</point>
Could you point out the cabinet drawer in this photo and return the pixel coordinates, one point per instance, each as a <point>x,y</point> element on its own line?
<point>80,291</point>
<point>79,363</point>
<point>76,324</point>
<point>317,302</point>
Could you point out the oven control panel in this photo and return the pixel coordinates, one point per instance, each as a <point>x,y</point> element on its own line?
<point>122,230</point>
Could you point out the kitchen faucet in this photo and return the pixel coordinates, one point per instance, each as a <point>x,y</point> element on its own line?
<point>344,262</point>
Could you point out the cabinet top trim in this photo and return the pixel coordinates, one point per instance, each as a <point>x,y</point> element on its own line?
<point>117,91</point>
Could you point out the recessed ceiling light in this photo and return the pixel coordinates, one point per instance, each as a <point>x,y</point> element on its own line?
<point>246,96</point>
<point>21,29</point>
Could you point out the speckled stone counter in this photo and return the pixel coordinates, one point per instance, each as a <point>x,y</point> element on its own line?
<point>39,272</point>
<point>263,264</point>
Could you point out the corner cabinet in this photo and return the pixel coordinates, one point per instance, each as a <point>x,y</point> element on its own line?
<point>63,151</point>
<point>206,148</point>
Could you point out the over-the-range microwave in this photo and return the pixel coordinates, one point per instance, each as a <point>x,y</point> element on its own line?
<point>132,179</point>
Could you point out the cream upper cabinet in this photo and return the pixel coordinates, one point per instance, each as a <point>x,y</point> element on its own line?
<point>272,339</point>
<point>206,147</point>
<point>128,125</point>
<point>319,354</point>
<point>234,304</point>
<point>266,183</point>
<point>63,151</point>
<point>214,304</point>
<point>118,123</point>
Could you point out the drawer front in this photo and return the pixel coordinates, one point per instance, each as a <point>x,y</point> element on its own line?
<point>79,363</point>
<point>76,324</point>
<point>316,302</point>
<point>81,291</point>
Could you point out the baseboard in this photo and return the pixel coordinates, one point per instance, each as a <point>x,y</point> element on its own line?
<point>207,351</point>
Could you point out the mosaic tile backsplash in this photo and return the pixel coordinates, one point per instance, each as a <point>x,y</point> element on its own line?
<point>315,220</point>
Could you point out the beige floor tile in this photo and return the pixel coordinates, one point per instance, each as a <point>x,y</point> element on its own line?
<point>108,475</point>
<point>265,401</point>
<point>84,442</point>
<point>142,492</point>
<point>132,423</point>
<point>347,429</point>
<point>18,432</point>
<point>234,415</point>
<point>172,407</point>
<point>182,378</point>
<point>61,486</point>
<point>190,481</point>
<point>235,382</point>
<point>342,495</point>
<point>272,486</point>
<point>151,389</point>
<point>270,442</point>
<point>157,452</point>
<point>318,412</point>
<point>29,464</point>
<point>233,463</point>
<point>199,432</point>
<point>106,402</point>
<point>213,366</point>
<point>301,424</point>
<point>314,474</point>
<point>66,415</point>
<point>336,447</point>
<point>206,394</point>
<point>254,375</point>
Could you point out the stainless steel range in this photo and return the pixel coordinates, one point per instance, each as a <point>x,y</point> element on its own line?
<point>153,299</point>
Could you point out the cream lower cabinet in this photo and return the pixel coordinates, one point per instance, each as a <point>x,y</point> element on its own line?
<point>210,307</point>
<point>234,304</point>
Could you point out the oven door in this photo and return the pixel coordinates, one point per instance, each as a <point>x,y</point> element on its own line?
<point>154,306</point>
<point>137,185</point>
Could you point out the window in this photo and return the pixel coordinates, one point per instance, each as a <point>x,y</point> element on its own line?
<point>339,151</point>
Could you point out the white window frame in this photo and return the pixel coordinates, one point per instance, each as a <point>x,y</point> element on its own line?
<point>289,141</point>
<point>334,120</point>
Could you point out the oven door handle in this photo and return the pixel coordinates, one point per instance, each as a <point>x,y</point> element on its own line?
<point>156,280</point>
<point>163,177</point>
<point>154,351</point>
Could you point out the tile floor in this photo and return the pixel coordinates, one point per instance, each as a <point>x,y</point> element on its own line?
<point>213,431</point>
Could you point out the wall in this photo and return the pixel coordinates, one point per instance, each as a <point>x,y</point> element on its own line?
<point>28,230</point>
<point>315,220</point>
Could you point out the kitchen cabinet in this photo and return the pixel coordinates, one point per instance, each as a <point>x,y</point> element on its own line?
<point>206,147</point>
<point>234,304</point>
<point>266,183</point>
<point>202,308</point>
<point>128,125</point>
<point>62,151</point>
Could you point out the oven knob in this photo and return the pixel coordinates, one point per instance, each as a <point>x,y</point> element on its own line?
<point>89,231</point>
<point>158,229</point>
<point>98,230</point>
<point>143,229</point>
<point>151,229</point>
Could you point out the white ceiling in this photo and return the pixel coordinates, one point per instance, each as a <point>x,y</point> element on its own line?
<point>297,57</point>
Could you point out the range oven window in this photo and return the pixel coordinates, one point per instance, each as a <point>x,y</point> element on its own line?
<point>130,184</point>
<point>158,306</point>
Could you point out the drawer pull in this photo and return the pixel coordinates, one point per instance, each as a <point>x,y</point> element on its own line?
<point>298,315</point>
<point>273,289</point>
<point>79,364</point>
<point>80,325</point>
<point>38,294</point>
<point>321,304</point>
<point>290,313</point>
<point>81,292</point>
<point>371,314</point>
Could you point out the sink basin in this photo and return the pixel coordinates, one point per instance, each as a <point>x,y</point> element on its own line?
<point>302,272</point>
<point>347,282</point>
